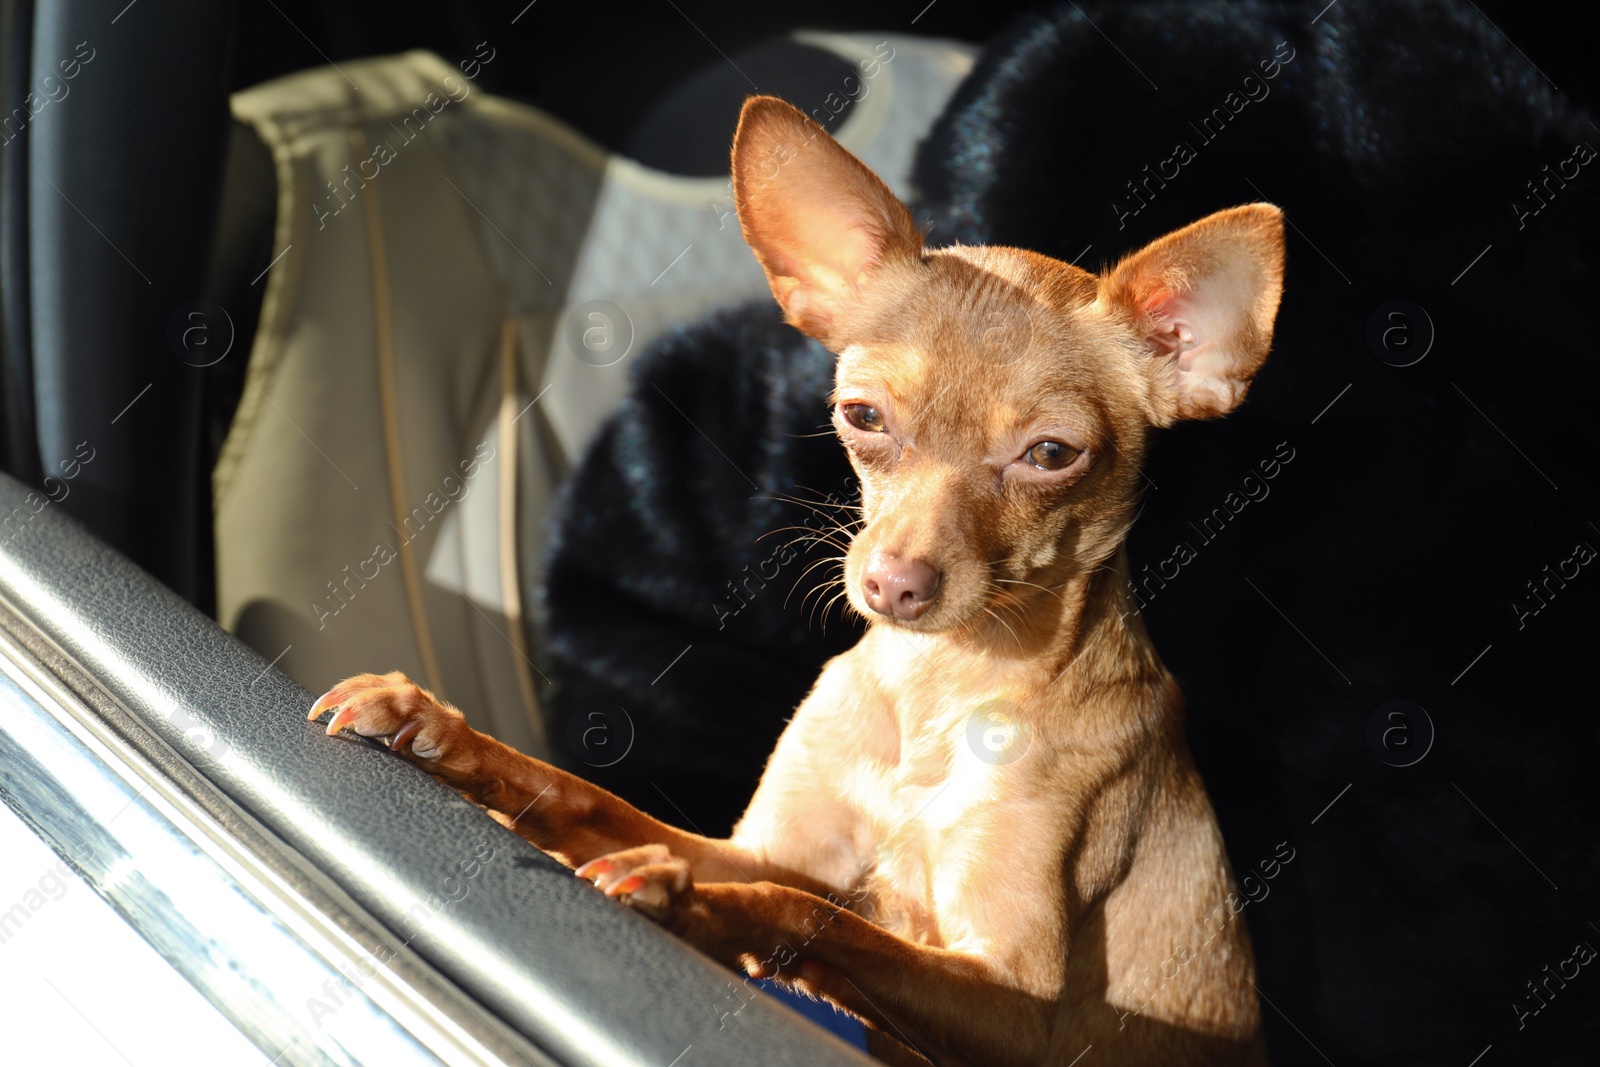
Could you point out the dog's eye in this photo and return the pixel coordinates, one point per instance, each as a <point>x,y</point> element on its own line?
<point>863,417</point>
<point>1051,455</point>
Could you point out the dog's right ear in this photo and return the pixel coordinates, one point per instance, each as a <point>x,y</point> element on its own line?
<point>820,222</point>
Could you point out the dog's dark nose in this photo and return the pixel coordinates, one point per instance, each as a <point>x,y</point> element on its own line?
<point>902,588</point>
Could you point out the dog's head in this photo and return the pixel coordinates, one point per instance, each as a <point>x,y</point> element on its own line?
<point>995,402</point>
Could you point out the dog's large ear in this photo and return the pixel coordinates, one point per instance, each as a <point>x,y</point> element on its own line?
<point>1204,298</point>
<point>821,223</point>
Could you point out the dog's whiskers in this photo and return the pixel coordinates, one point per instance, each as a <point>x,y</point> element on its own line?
<point>996,617</point>
<point>842,594</point>
<point>813,566</point>
<point>1035,585</point>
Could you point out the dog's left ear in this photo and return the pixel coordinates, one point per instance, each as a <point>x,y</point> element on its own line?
<point>1204,298</point>
<point>822,224</point>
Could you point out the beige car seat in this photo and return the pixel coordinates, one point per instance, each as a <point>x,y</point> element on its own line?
<point>459,287</point>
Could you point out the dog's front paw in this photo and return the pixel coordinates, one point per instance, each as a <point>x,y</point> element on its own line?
<point>649,879</point>
<point>392,707</point>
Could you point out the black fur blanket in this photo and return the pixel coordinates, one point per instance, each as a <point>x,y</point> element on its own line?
<point>1385,643</point>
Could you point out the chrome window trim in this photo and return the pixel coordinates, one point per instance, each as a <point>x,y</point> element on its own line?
<point>161,843</point>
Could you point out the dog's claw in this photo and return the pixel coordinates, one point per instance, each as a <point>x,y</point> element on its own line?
<point>341,718</point>
<point>628,886</point>
<point>647,878</point>
<point>403,735</point>
<point>595,869</point>
<point>391,706</point>
<point>323,703</point>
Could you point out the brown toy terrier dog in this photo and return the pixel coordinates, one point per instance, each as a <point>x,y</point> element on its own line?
<point>982,832</point>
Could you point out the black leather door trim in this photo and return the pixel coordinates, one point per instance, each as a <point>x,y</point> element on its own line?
<point>576,974</point>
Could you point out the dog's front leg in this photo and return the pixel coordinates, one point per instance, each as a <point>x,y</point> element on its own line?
<point>947,1006</point>
<point>560,813</point>
<point>573,820</point>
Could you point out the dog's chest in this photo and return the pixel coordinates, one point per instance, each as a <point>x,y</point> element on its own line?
<point>940,819</point>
